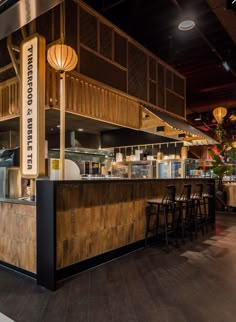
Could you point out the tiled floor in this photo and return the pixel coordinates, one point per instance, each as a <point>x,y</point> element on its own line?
<point>194,283</point>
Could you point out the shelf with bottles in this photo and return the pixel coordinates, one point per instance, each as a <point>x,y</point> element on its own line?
<point>163,169</point>
<point>134,169</point>
<point>183,168</point>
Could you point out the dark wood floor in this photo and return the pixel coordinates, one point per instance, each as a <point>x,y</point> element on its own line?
<point>194,283</point>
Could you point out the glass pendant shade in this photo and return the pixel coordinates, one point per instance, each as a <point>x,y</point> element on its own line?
<point>219,113</point>
<point>62,57</point>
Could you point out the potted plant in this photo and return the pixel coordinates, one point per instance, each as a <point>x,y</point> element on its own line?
<point>221,154</point>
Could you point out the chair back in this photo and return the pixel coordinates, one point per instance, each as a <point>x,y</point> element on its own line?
<point>198,190</point>
<point>169,196</point>
<point>210,189</point>
<point>186,193</point>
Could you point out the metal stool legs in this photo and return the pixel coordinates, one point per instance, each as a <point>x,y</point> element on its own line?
<point>164,207</point>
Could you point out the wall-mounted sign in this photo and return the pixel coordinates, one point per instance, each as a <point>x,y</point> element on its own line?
<point>33,107</point>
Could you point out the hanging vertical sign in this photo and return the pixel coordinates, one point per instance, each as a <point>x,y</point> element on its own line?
<point>32,127</point>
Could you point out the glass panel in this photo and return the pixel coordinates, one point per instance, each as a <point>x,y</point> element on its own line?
<point>120,170</point>
<point>139,171</point>
<point>176,169</point>
<point>163,170</point>
<point>189,168</point>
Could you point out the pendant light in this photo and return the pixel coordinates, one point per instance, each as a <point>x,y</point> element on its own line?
<point>219,113</point>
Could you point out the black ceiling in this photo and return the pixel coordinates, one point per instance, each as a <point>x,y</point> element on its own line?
<point>197,54</point>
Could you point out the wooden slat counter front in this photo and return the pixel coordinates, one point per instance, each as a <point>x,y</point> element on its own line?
<point>80,222</point>
<point>18,234</point>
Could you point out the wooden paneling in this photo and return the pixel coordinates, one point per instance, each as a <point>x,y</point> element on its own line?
<point>120,48</point>
<point>96,217</point>
<point>107,55</point>
<point>18,235</point>
<point>137,72</point>
<point>102,70</point>
<point>105,41</point>
<point>88,29</point>
<point>174,103</point>
<point>9,98</point>
<point>89,98</point>
<point>44,26</point>
<point>127,53</point>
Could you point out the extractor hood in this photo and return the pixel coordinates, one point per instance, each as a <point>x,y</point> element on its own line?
<point>161,123</point>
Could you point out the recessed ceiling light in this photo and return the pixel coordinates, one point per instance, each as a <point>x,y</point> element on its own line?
<point>58,126</point>
<point>186,25</point>
<point>80,130</point>
<point>198,118</point>
<point>226,66</point>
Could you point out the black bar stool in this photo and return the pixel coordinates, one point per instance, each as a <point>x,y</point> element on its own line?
<point>161,207</point>
<point>185,209</point>
<point>198,203</point>
<point>209,210</point>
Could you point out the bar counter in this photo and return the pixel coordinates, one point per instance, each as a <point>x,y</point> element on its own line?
<point>83,223</point>
<point>18,234</point>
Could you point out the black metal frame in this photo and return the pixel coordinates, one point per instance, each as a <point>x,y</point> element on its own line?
<point>46,234</point>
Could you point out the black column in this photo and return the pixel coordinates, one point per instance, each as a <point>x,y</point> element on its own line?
<point>46,234</point>
<point>212,202</point>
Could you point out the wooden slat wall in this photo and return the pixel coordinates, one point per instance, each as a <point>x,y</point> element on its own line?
<point>112,50</point>
<point>96,217</point>
<point>130,57</point>
<point>83,97</point>
<point>18,235</point>
<point>89,98</point>
<point>9,98</point>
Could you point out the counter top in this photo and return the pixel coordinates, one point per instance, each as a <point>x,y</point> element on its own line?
<point>19,201</point>
<point>117,179</point>
<point>26,201</point>
<point>101,178</point>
